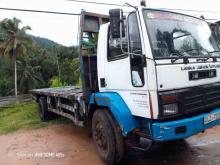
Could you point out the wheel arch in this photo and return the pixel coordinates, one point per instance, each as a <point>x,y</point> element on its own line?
<point>118,109</point>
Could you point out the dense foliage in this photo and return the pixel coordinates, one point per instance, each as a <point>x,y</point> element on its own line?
<point>44,64</point>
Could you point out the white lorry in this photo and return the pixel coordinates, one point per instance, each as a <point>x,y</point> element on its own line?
<point>154,77</point>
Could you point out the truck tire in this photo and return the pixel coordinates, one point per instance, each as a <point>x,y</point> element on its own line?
<point>119,140</point>
<point>104,137</point>
<point>43,112</point>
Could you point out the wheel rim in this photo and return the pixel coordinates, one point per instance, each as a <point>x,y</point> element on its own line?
<point>100,138</point>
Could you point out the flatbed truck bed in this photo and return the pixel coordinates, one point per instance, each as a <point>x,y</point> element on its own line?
<point>70,92</point>
<point>64,101</point>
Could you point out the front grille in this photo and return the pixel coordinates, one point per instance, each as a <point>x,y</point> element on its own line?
<point>193,100</point>
<point>200,98</point>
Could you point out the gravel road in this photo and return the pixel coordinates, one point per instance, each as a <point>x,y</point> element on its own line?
<point>70,145</point>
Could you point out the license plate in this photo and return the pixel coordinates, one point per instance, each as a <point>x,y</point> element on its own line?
<point>211,117</point>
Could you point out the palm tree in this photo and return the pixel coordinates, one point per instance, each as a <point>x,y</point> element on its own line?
<point>14,41</point>
<point>55,50</point>
<point>30,76</point>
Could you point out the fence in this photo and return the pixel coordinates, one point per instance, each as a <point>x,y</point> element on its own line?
<point>4,101</point>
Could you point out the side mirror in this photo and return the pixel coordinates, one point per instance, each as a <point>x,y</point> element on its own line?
<point>116,23</point>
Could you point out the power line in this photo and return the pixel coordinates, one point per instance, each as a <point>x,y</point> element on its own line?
<point>113,4</point>
<point>97,3</point>
<point>39,11</point>
<point>100,3</point>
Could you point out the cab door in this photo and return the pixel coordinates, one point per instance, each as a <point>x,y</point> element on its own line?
<point>124,69</point>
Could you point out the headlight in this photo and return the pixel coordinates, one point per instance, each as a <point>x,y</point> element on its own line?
<point>170,109</point>
<point>169,105</point>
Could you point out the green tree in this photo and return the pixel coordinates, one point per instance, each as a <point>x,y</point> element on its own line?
<point>67,65</point>
<point>6,80</point>
<point>76,72</point>
<point>14,41</point>
<point>29,75</point>
<point>56,52</point>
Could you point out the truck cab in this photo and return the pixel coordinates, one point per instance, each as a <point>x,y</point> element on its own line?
<point>152,76</point>
<point>165,68</point>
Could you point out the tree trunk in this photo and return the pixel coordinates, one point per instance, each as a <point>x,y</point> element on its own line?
<point>58,67</point>
<point>16,90</point>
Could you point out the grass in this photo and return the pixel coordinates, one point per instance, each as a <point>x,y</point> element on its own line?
<point>23,116</point>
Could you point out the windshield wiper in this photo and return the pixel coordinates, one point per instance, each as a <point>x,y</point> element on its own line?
<point>189,50</point>
<point>213,51</point>
<point>210,55</point>
<point>179,55</point>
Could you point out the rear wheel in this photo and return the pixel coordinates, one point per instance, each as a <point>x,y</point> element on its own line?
<point>43,109</point>
<point>105,137</point>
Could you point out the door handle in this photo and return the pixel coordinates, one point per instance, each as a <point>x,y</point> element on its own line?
<point>103,83</point>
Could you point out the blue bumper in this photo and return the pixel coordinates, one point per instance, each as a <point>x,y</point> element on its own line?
<point>167,131</point>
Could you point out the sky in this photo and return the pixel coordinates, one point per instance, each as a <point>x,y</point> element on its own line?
<point>63,29</point>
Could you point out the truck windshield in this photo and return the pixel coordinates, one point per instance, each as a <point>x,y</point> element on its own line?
<point>173,34</point>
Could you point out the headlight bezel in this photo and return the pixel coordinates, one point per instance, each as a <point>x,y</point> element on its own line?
<point>168,105</point>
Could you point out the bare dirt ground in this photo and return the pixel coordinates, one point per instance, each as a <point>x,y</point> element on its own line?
<point>69,145</point>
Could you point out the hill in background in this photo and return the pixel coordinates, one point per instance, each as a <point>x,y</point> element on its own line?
<point>44,42</point>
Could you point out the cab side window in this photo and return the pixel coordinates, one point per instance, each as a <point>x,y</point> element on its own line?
<point>135,50</point>
<point>114,48</point>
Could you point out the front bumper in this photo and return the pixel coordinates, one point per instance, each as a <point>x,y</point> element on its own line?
<point>180,129</point>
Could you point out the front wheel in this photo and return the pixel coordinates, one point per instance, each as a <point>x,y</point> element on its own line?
<point>104,136</point>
